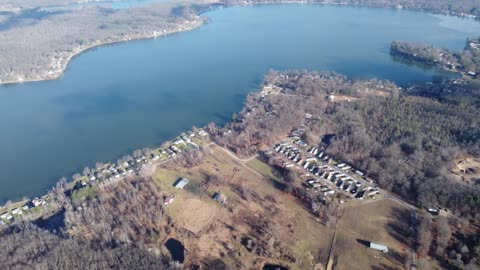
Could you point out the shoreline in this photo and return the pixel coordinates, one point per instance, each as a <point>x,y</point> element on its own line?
<point>198,22</point>
<point>63,66</point>
<point>61,71</point>
<point>110,172</point>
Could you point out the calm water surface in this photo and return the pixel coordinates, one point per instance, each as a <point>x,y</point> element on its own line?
<point>115,99</point>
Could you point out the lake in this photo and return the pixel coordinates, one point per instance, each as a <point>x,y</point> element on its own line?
<point>114,99</point>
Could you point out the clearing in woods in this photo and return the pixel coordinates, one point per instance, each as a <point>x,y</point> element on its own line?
<point>467,170</point>
<point>281,230</point>
<point>385,222</point>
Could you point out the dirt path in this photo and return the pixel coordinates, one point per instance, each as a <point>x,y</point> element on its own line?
<point>331,260</point>
<point>234,156</point>
<point>243,162</point>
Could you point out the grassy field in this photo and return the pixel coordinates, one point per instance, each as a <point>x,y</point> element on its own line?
<point>263,168</point>
<point>210,229</point>
<point>384,222</point>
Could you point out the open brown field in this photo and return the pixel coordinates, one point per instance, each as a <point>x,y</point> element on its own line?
<point>385,222</point>
<point>279,229</point>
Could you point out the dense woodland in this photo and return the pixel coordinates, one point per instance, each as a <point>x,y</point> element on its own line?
<point>118,227</point>
<point>26,246</point>
<point>36,43</point>
<point>454,7</point>
<point>405,142</point>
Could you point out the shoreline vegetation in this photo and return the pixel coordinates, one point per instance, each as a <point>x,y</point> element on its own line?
<point>461,92</point>
<point>142,162</point>
<point>465,62</point>
<point>54,74</point>
<point>421,53</point>
<point>398,142</point>
<point>178,18</point>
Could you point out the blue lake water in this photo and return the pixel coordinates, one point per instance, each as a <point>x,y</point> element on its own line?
<point>114,99</point>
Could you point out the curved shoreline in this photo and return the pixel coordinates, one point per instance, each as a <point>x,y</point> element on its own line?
<point>80,51</point>
<point>60,72</point>
<point>199,23</point>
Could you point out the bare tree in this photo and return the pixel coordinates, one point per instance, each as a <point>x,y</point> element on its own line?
<point>87,171</point>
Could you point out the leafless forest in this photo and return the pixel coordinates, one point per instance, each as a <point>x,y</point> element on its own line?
<point>38,43</point>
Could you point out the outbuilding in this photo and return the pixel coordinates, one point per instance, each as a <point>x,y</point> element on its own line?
<point>181,183</point>
<point>376,246</point>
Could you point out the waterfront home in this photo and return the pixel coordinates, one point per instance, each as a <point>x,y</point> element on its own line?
<point>38,202</point>
<point>6,216</point>
<point>178,141</point>
<point>185,138</point>
<point>17,211</point>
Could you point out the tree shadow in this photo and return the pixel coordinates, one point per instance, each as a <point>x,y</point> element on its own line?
<point>401,229</point>
<point>54,223</point>
<point>395,257</point>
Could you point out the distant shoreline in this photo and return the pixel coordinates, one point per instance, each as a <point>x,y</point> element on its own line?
<point>64,65</point>
<point>61,70</point>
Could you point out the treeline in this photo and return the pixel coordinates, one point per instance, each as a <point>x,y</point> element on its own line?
<point>118,224</point>
<point>121,227</point>
<point>452,7</point>
<point>37,43</point>
<point>451,241</point>
<point>26,246</point>
<point>406,143</point>
<point>467,60</point>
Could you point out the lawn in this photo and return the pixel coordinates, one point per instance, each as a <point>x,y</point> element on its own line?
<point>384,222</point>
<point>264,169</point>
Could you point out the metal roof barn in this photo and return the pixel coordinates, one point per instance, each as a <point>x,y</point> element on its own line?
<point>181,183</point>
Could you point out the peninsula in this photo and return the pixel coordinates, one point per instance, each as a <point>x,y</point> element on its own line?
<point>38,41</point>
<point>346,160</point>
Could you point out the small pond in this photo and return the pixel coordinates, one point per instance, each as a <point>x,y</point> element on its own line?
<point>176,248</point>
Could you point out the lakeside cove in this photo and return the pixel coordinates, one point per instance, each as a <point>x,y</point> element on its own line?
<point>114,99</point>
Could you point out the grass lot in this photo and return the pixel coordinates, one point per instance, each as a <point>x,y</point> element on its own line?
<point>210,229</point>
<point>384,222</point>
<point>263,168</point>
<point>83,194</point>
